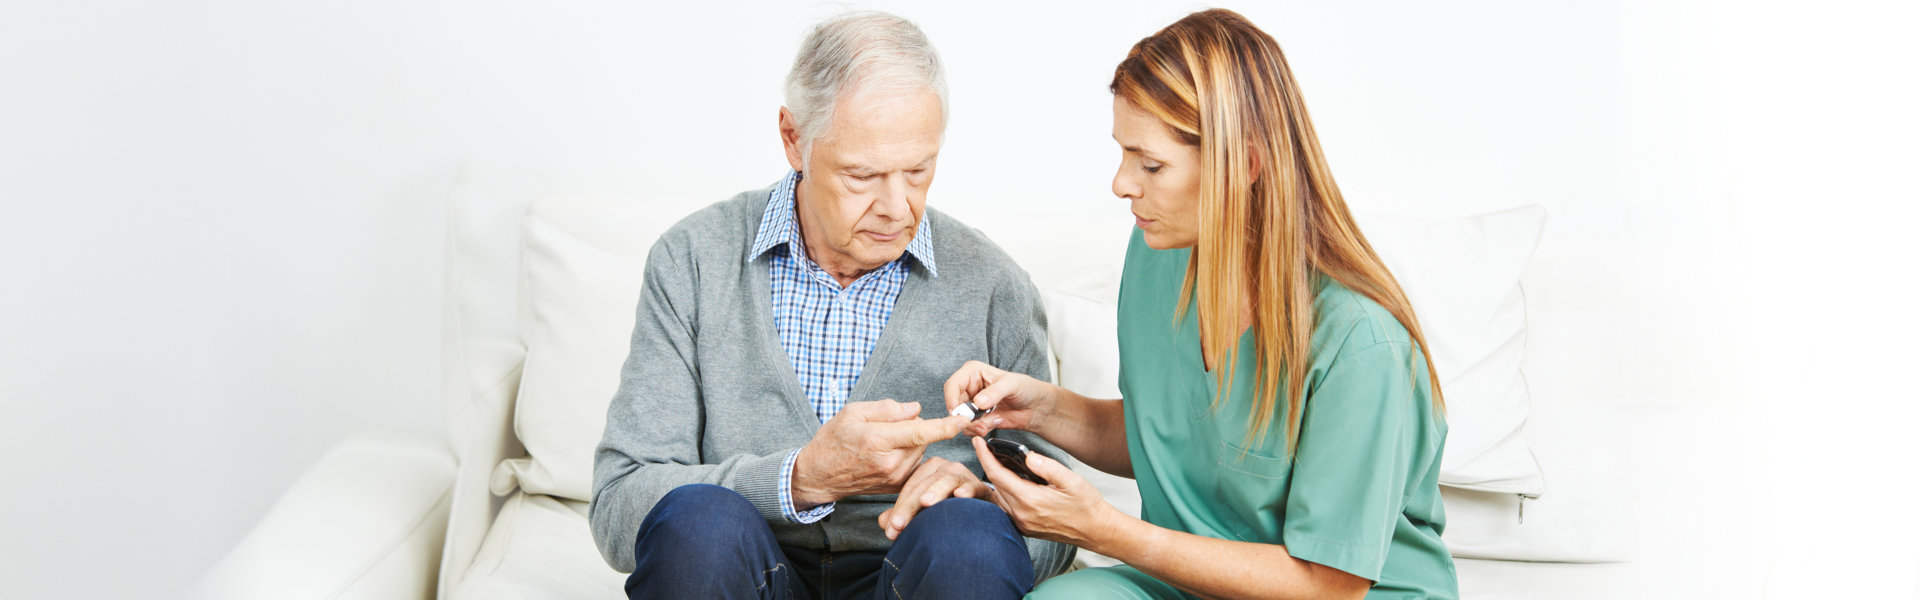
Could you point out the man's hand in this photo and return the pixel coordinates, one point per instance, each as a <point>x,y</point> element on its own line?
<point>938,479</point>
<point>869,448</point>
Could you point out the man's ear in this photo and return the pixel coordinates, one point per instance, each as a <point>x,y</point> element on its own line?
<point>790,139</point>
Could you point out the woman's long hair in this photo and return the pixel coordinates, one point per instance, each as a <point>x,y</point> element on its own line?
<point>1270,214</point>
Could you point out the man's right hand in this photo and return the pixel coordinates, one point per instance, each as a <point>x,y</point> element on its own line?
<point>868,448</point>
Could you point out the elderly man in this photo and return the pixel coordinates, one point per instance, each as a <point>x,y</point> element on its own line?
<point>754,443</point>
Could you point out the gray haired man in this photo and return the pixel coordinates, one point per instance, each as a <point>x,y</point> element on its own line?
<point>755,448</point>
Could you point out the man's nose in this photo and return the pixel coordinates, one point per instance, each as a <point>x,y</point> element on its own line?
<point>892,202</point>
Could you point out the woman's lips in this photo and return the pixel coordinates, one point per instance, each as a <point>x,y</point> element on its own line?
<point>1140,222</point>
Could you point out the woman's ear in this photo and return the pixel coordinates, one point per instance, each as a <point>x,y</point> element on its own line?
<point>1253,162</point>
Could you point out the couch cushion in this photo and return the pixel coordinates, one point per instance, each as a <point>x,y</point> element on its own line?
<point>1505,580</point>
<point>1463,276</point>
<point>366,521</point>
<point>539,547</point>
<point>582,262</point>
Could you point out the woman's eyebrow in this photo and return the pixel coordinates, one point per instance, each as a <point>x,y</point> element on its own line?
<point>1134,149</point>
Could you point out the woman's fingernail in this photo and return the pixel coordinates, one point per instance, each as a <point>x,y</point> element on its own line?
<point>997,421</point>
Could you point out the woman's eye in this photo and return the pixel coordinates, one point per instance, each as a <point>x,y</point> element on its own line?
<point>1152,169</point>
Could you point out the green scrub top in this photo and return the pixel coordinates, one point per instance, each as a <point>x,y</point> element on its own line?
<point>1362,492</point>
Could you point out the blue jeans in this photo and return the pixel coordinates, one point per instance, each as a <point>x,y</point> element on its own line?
<point>706,541</point>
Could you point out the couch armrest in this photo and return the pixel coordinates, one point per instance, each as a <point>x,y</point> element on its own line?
<point>366,521</point>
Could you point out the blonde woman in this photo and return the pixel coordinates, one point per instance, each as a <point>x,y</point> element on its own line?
<point>1279,413</point>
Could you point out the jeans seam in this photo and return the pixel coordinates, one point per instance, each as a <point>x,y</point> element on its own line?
<point>765,579</point>
<point>826,575</point>
<point>893,583</point>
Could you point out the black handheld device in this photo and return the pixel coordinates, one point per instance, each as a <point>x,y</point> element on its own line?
<point>1013,456</point>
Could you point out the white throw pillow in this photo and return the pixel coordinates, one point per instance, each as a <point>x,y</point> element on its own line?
<point>1463,277</point>
<point>582,264</point>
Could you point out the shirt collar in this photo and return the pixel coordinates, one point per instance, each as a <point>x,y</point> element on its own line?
<point>778,227</point>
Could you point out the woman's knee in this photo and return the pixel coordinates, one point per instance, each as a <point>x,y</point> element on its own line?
<point>1116,582</point>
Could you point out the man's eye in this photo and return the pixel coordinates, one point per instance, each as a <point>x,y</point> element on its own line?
<point>862,177</point>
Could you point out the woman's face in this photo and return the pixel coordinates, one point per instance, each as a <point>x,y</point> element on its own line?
<point>1160,175</point>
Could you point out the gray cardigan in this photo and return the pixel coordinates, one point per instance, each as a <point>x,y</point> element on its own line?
<point>708,396</point>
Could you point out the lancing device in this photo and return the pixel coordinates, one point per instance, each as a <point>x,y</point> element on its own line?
<point>972,412</point>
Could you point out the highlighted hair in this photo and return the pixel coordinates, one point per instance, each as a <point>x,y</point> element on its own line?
<point>1271,217</point>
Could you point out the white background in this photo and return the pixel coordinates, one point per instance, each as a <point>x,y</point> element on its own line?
<point>221,224</point>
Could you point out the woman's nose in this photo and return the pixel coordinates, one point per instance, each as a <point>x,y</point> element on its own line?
<point>1123,187</point>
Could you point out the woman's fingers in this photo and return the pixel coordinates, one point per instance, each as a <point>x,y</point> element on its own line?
<point>1057,475</point>
<point>995,473</point>
<point>993,394</point>
<point>1002,478</point>
<point>967,381</point>
<point>983,426</point>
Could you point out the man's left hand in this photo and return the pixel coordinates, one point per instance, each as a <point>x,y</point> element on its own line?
<point>933,481</point>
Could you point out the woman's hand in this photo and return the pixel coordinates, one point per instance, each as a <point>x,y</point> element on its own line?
<point>1019,401</point>
<point>1067,509</point>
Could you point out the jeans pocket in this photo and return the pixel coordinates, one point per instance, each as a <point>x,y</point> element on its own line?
<point>776,583</point>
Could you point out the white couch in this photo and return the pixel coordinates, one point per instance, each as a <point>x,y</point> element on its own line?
<point>426,515</point>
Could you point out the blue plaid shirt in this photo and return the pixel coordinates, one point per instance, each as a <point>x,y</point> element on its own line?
<point>828,331</point>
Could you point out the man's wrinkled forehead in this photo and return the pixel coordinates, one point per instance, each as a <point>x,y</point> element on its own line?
<point>879,134</point>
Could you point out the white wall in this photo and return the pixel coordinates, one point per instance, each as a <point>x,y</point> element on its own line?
<point>222,224</point>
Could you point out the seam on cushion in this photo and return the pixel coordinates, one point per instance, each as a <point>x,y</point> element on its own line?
<point>518,505</point>
<point>391,547</point>
<point>1526,340</point>
<point>518,366</point>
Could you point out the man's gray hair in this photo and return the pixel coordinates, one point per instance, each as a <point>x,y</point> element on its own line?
<point>861,52</point>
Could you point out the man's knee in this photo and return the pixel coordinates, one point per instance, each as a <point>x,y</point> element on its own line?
<point>966,529</point>
<point>703,541</point>
<point>702,515</point>
<point>960,547</point>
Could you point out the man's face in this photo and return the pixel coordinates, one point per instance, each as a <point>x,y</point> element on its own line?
<point>865,191</point>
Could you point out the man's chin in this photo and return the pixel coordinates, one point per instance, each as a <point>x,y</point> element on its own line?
<point>881,255</point>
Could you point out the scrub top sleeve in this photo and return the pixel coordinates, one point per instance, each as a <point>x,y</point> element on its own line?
<point>1351,463</point>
